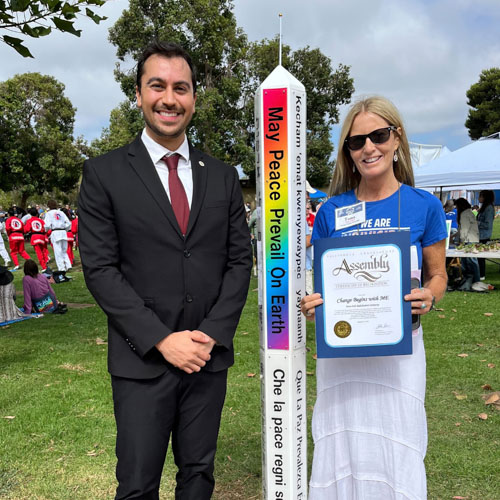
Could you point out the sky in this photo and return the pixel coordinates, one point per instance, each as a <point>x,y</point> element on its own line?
<point>422,54</point>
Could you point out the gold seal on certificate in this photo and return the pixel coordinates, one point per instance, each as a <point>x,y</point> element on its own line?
<point>342,329</point>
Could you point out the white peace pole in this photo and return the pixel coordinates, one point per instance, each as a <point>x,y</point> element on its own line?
<point>280,129</point>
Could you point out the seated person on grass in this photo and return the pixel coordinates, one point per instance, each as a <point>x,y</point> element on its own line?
<point>8,310</point>
<point>39,296</point>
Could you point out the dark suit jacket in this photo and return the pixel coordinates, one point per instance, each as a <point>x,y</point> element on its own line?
<point>148,279</point>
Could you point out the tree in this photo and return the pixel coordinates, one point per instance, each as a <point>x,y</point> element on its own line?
<point>37,150</point>
<point>32,18</point>
<point>484,97</point>
<point>124,123</point>
<point>326,90</point>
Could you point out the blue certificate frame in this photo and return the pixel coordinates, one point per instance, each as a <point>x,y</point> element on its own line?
<point>363,280</point>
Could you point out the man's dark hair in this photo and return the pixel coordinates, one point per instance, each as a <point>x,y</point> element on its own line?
<point>33,212</point>
<point>52,204</point>
<point>165,49</point>
<point>30,268</point>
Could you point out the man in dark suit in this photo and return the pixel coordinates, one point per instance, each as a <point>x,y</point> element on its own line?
<point>166,253</point>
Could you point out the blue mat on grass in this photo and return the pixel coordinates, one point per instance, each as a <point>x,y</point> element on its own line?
<point>21,319</point>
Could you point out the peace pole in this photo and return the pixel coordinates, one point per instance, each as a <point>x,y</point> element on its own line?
<point>280,120</point>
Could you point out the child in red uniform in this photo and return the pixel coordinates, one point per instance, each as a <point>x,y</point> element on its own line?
<point>36,227</point>
<point>15,229</point>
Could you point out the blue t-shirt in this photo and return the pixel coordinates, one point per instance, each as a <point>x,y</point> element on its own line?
<point>452,215</point>
<point>421,213</point>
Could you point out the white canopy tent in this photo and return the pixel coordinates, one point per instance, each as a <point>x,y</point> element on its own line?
<point>475,166</point>
<point>422,154</point>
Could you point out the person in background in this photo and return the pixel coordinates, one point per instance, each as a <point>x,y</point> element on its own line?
<point>468,232</point>
<point>58,224</point>
<point>369,423</point>
<point>15,229</point>
<point>310,214</point>
<point>70,211</point>
<point>26,216</point>
<point>3,251</point>
<point>8,309</point>
<point>248,211</point>
<point>450,212</point>
<point>36,228</point>
<point>39,296</point>
<point>70,236</point>
<point>485,218</point>
<point>253,226</point>
<point>74,228</point>
<point>309,262</point>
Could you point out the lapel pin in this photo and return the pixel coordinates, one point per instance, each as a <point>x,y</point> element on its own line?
<point>201,163</point>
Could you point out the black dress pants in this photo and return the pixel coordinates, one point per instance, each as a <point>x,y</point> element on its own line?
<point>147,412</point>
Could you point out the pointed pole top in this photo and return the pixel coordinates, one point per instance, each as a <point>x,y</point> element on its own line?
<point>281,16</point>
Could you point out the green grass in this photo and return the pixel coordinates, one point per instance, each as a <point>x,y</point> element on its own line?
<point>60,445</point>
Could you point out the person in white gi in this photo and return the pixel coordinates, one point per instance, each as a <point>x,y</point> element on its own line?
<point>59,224</point>
<point>3,252</point>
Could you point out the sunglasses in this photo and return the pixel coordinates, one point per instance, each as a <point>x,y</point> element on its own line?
<point>378,136</point>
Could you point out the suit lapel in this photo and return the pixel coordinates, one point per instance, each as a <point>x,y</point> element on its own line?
<point>200,171</point>
<point>146,171</point>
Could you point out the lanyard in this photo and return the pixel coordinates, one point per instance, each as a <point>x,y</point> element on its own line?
<point>399,206</point>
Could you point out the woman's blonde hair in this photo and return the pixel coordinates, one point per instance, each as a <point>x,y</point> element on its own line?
<point>344,179</point>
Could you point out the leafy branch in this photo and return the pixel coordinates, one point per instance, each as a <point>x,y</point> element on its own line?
<point>32,18</point>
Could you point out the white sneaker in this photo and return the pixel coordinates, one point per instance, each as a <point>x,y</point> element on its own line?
<point>482,278</point>
<point>479,287</point>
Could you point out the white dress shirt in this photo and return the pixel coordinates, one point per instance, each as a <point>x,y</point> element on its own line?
<point>157,152</point>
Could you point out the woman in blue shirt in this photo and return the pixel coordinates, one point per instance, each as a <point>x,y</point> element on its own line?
<point>369,423</point>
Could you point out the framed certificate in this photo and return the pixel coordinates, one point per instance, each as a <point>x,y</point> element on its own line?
<point>363,280</point>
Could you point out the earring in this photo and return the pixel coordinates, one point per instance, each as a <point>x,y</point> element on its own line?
<point>353,169</point>
<point>395,156</point>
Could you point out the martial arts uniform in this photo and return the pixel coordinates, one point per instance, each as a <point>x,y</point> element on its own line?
<point>15,230</point>
<point>71,239</point>
<point>57,222</point>
<point>3,251</point>
<point>36,227</point>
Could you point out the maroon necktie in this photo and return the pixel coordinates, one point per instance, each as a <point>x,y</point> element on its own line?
<point>178,198</point>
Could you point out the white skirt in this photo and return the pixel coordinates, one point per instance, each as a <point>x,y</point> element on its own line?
<point>369,428</point>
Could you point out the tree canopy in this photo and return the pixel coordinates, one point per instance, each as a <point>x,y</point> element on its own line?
<point>230,69</point>
<point>484,98</point>
<point>37,150</point>
<point>36,18</point>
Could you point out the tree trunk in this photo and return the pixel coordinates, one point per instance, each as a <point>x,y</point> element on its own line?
<point>24,200</point>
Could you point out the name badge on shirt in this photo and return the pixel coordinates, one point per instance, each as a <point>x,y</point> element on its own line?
<point>350,215</point>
